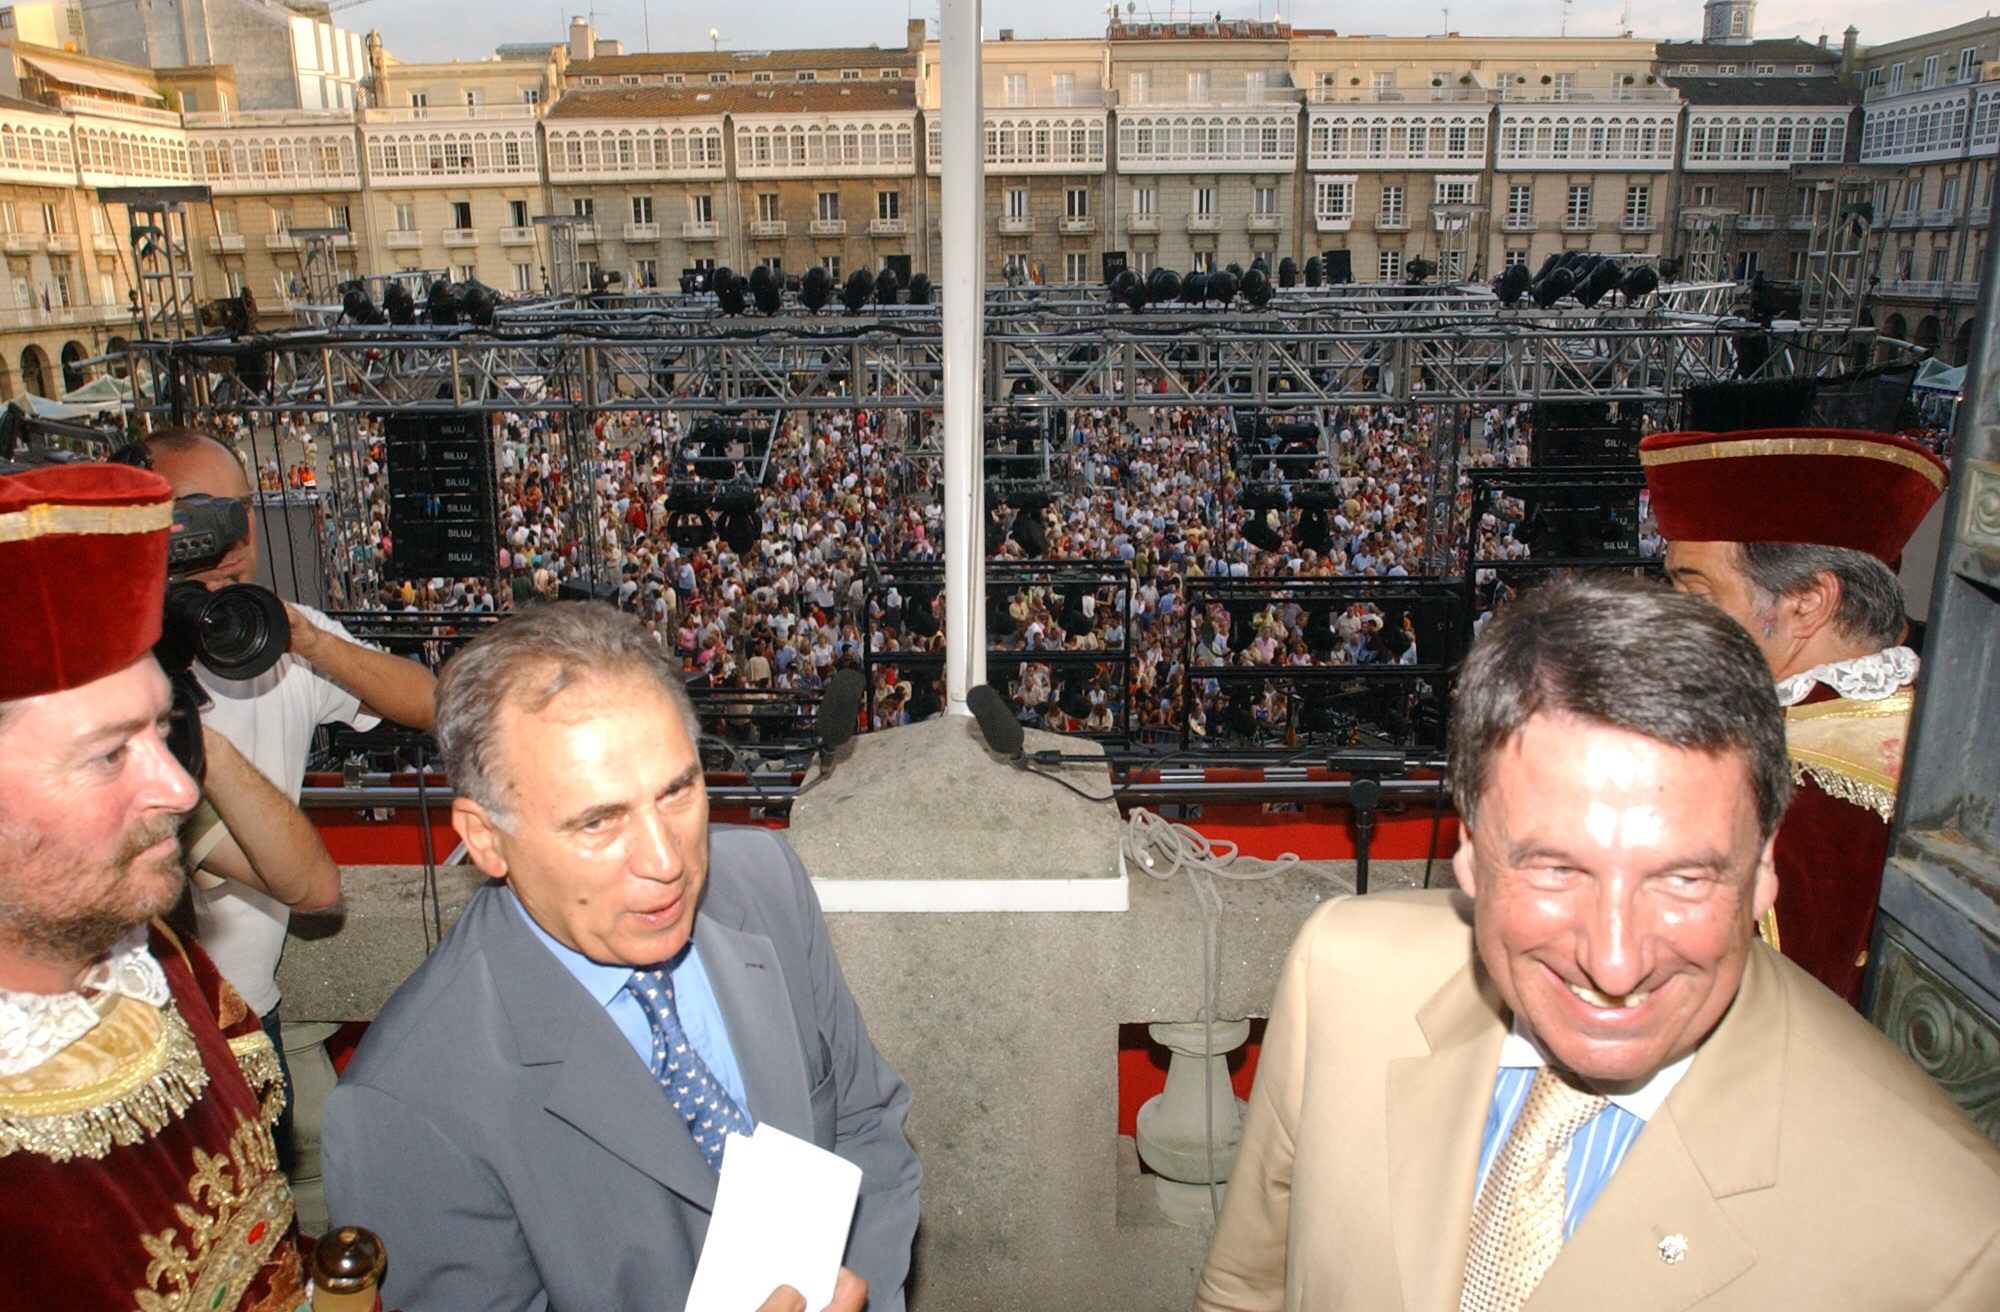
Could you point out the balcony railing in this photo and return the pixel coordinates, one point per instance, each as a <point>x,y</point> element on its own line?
<point>222,243</point>
<point>1333,222</point>
<point>1199,222</point>
<point>888,227</point>
<point>1574,223</point>
<point>1940,218</point>
<point>461,236</point>
<point>702,230</point>
<point>1392,222</point>
<point>64,315</point>
<point>1446,95</point>
<point>403,239</point>
<point>1799,222</point>
<point>1638,223</point>
<point>827,227</point>
<point>159,118</point>
<point>21,243</point>
<point>1520,223</point>
<point>767,227</point>
<point>1928,289</point>
<point>1142,223</point>
<point>1756,222</point>
<point>584,231</point>
<point>517,236</point>
<point>104,243</point>
<point>450,113</point>
<point>1075,223</point>
<point>1016,225</point>
<point>1264,222</point>
<point>1904,219</point>
<point>62,243</point>
<point>642,232</point>
<point>280,241</point>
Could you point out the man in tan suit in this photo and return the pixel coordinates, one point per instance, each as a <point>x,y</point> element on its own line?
<point>1583,1084</point>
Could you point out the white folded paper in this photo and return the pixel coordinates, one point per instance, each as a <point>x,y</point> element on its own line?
<point>782,1211</point>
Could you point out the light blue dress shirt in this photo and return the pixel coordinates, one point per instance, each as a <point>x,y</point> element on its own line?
<point>694,998</point>
<point>1596,1150</point>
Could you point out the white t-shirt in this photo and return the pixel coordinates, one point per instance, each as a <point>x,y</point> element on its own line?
<point>270,719</point>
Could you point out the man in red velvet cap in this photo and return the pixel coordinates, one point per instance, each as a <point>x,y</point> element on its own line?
<point>137,1091</point>
<point>1796,534</point>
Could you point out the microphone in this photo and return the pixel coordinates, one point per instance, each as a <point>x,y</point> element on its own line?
<point>997,725</point>
<point>838,707</point>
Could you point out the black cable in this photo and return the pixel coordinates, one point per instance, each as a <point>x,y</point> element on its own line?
<point>434,930</point>
<point>1437,816</point>
<point>1058,779</point>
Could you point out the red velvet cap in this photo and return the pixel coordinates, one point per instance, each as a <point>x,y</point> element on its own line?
<point>1829,487</point>
<point>83,573</point>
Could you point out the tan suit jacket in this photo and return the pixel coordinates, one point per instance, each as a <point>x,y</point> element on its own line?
<point>1803,1160</point>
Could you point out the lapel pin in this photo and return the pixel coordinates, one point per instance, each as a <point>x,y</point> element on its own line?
<point>1673,1248</point>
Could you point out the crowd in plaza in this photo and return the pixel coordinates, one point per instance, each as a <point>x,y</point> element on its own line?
<point>1151,503</point>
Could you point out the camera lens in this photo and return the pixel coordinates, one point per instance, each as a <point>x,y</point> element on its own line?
<point>241,631</point>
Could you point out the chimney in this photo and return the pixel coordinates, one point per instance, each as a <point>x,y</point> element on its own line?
<point>582,39</point>
<point>913,38</point>
<point>1849,56</point>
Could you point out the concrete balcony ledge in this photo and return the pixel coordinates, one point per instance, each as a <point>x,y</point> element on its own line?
<point>695,231</point>
<point>642,232</point>
<point>1756,222</point>
<point>514,236</point>
<point>21,243</point>
<point>105,242</point>
<point>767,227</point>
<point>1906,219</point>
<point>1084,224</point>
<point>62,243</point>
<point>1142,223</point>
<point>280,241</point>
<point>1264,222</point>
<point>1940,218</point>
<point>1579,225</point>
<point>1204,223</point>
<point>1800,223</point>
<point>1325,224</point>
<point>1639,225</point>
<point>1515,223</point>
<point>1392,223</point>
<point>1015,225</point>
<point>222,243</point>
<point>403,239</point>
<point>828,227</point>
<point>888,227</point>
<point>584,231</point>
<point>461,237</point>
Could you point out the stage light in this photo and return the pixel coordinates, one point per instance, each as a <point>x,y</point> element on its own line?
<point>1549,265</point>
<point>920,289</point>
<point>397,302</point>
<point>1261,503</point>
<point>1547,291</point>
<point>1222,286</point>
<point>1288,272</point>
<point>1234,270</point>
<point>815,289</point>
<point>1670,269</point>
<point>1641,280</point>
<point>1313,271</point>
<point>737,520</point>
<point>1128,290</point>
<point>688,524</point>
<point>443,306</point>
<point>1194,288</point>
<point>1601,279</point>
<point>728,290</point>
<point>1512,284</point>
<point>356,307</point>
<point>887,286</point>
<point>860,287</point>
<point>765,290</point>
<point>1418,270</point>
<point>1162,285</point>
<point>477,303</point>
<point>1257,287</point>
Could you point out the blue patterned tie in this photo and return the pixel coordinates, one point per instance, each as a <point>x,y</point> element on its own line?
<point>691,1087</point>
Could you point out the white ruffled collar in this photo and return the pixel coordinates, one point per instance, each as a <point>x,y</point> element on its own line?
<point>36,1026</point>
<point>1868,678</point>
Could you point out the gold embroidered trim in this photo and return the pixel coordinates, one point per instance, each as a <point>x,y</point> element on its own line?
<point>1767,929</point>
<point>1863,793</point>
<point>262,1069</point>
<point>31,522</point>
<point>1797,446</point>
<point>132,1105</point>
<point>239,1210</point>
<point>1847,708</point>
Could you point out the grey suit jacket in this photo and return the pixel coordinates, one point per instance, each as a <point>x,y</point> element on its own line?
<point>513,1152</point>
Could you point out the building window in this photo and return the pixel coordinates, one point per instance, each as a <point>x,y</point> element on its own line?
<point>642,209</point>
<point>1753,200</point>
<point>1565,86</point>
<point>1076,203</point>
<point>1384,83</point>
<point>808,75</point>
<point>718,79</point>
<point>629,80</point>
<point>1930,72</point>
<point>337,216</point>
<point>1803,68</point>
<point>1204,201</point>
<point>406,217</point>
<point>1638,205</point>
<point>701,208</point>
<point>1520,202</point>
<point>1076,266</point>
<point>1966,59</point>
<point>1333,200</point>
<point>1264,201</point>
<point>583,207</point>
<point>225,220</point>
<point>647,272</point>
<point>1704,196</point>
<point>1895,79</point>
<point>1203,262</point>
<point>1515,255</point>
<point>1392,205</point>
<point>1948,194</point>
<point>1725,68</point>
<point>1389,266</point>
<point>767,207</point>
<point>1017,202</point>
<point>850,75</point>
<point>1455,191</point>
<point>1146,201</point>
<point>524,276</point>
<point>889,205</point>
<point>1749,264</point>
<point>1016,88</point>
<point>1063,92</point>
<point>1142,262</point>
<point>1579,204</point>
<point>829,206</point>
<point>673,79</point>
<point>461,214</point>
<point>831,263</point>
<point>762,75</point>
<point>1765,70</point>
<point>1197,86</point>
<point>1138,88</point>
<point>517,213</point>
<point>420,100</point>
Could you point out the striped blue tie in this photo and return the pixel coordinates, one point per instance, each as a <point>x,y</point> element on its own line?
<point>710,1113</point>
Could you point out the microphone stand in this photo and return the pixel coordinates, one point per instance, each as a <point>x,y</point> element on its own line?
<point>1365,769</point>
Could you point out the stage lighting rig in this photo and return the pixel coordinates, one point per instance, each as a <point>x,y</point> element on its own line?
<point>1129,291</point>
<point>1512,284</point>
<point>1314,271</point>
<point>920,289</point>
<point>1640,281</point>
<point>1162,285</point>
<point>1548,290</point>
<point>399,304</point>
<point>1263,504</point>
<point>1288,272</point>
<point>815,289</point>
<point>859,290</point>
<point>1257,288</point>
<point>1602,278</point>
<point>888,286</point>
<point>356,305</point>
<point>1222,286</point>
<point>442,305</point>
<point>688,524</point>
<point>765,290</point>
<point>737,521</point>
<point>1419,270</point>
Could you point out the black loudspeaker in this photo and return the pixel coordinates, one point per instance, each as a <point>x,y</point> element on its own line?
<point>1114,264</point>
<point>1337,266</point>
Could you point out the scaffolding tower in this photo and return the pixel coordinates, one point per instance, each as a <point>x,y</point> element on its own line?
<point>167,307</point>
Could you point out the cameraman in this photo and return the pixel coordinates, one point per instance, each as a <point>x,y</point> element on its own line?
<point>326,678</point>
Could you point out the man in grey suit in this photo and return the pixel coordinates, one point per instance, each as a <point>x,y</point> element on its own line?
<point>535,1119</point>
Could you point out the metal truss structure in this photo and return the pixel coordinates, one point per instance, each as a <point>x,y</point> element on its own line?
<point>1846,239</point>
<point>166,305</point>
<point>1705,250</point>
